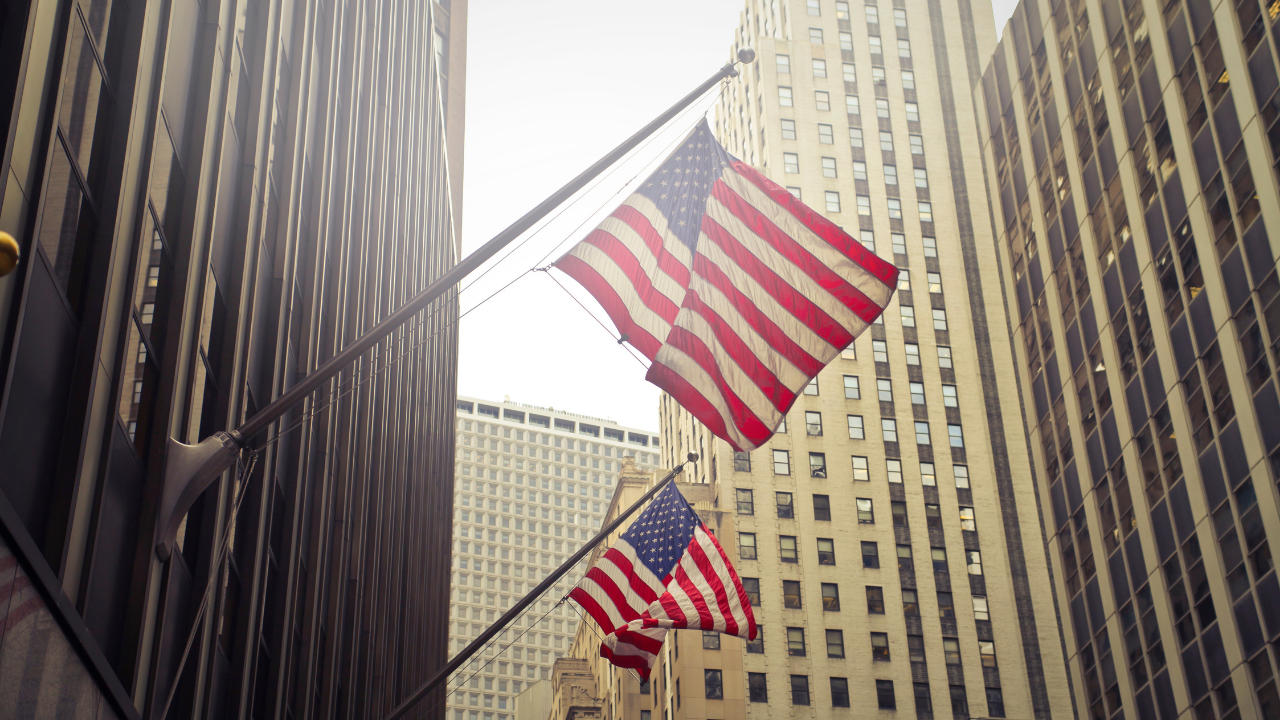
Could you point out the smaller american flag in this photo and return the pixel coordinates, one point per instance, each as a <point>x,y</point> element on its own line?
<point>666,572</point>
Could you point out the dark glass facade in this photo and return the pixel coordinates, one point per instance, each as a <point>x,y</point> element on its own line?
<point>212,198</point>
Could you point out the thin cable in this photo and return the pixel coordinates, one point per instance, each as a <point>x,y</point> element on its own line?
<point>593,628</point>
<point>621,341</point>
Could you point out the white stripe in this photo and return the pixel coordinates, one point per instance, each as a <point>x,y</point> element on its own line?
<point>640,313</point>
<point>630,239</point>
<point>777,363</point>
<point>677,593</point>
<point>832,257</point>
<point>726,577</point>
<point>639,569</point>
<point>689,370</point>
<point>743,386</point>
<point>670,242</point>
<point>598,593</point>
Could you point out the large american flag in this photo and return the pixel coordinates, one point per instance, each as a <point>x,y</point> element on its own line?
<point>736,292</point>
<point>666,571</point>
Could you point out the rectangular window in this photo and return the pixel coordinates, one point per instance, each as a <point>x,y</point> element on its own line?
<point>935,282</point>
<point>757,646</point>
<point>879,351</point>
<point>995,703</point>
<point>866,514</point>
<point>912,352</point>
<point>917,144</point>
<point>855,427</point>
<point>987,653</point>
<point>922,178</point>
<point>826,552</point>
<point>787,548</point>
<point>786,506</point>
<point>873,16</point>
<point>850,352</point>
<point>870,555</point>
<point>794,191</point>
<point>926,212</point>
<point>833,201</point>
<point>828,167</point>
<point>961,473</point>
<point>895,208</point>
<point>905,561</point>
<point>898,509</point>
<point>973,560</point>
<point>741,462</point>
<point>908,80</point>
<point>904,48</point>
<point>746,505</point>
<point>956,435</point>
<point>893,468</point>
<point>822,98</point>
<point>819,68</point>
<point>904,279</point>
<point>784,96</point>
<point>967,519</point>
<point>875,600</point>
<point>817,465</point>
<point>791,594</point>
<point>813,7</point>
<point>889,430</point>
<point>851,389</point>
<point>752,588</point>
<point>788,129</point>
<point>884,389</point>
<point>757,687</point>
<point>959,703</point>
<point>824,135</point>
<point>781,462</point>
<point>849,72</point>
<point>879,647</point>
<point>813,423</point>
<point>821,507</point>
<point>911,606</point>
<point>886,144</point>
<point>855,137</point>
<point>913,115</point>
<point>747,546</point>
<point>839,692</point>
<point>859,170</point>
<point>861,470</point>
<point>899,243</point>
<point>712,679</point>
<point>947,611</point>
<point>815,35</point>
<point>835,643</point>
<point>900,17</point>
<point>812,387</point>
<point>851,107</point>
<point>933,516</point>
<point>791,162</point>
<point>884,695</point>
<point>939,557</point>
<point>922,433</point>
<point>830,595</point>
<point>784,63</point>
<point>874,44</point>
<point>800,689</point>
<point>710,640</point>
<point>908,315</point>
<point>846,41</point>
<point>877,74</point>
<point>890,175</point>
<point>928,477</point>
<point>842,10</point>
<point>944,356</point>
<point>917,393</point>
<point>939,319</point>
<point>882,108</point>
<point>795,641</point>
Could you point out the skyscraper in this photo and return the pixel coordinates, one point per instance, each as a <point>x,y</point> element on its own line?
<point>532,484</point>
<point>212,198</point>
<point>889,534</point>
<point>1130,151</point>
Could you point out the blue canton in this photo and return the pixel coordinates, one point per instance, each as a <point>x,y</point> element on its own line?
<point>681,185</point>
<point>662,533</point>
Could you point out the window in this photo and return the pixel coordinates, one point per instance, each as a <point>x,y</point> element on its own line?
<point>917,142</point>
<point>813,423</point>
<point>917,393</point>
<point>880,647</point>
<point>904,279</point>
<point>746,503</point>
<point>855,137</point>
<point>795,641</point>
<point>912,351</point>
<point>848,70</point>
<point>944,356</point>
<point>814,8</point>
<point>980,611</point>
<point>782,425</point>
<point>842,10</point>
<point>811,388</point>
<point>995,703</point>
<point>911,606</point>
<point>939,557</point>
<point>855,427</point>
<point>846,41</point>
<point>784,63</point>
<point>922,433</point>
<point>830,593</point>
<point>893,468</point>
<point>962,475</point>
<point>956,435</point>
<point>884,695</point>
<point>794,191</point>
<point>875,46</point>
<point>861,471</point>
<point>935,282</point>
<point>900,17</point>
<point>757,687</point>
<point>788,129</point>
<point>826,553</point>
<point>927,476</point>
<point>872,16</point>
<point>741,462</point>
<point>851,389</point>
<point>781,462</point>
<point>822,99</point>
<point>819,68</point>
<point>851,107</point>
<point>835,643</point>
<point>908,315</point>
<point>875,600</point>
<point>890,175</point>
<point>828,167</point>
<point>877,74</point>
<point>784,96</point>
<point>833,201</point>
<point>791,162</point>
<point>817,464</point>
<point>786,508</point>
<point>787,548</point>
<point>933,516</point>
<point>824,135</point>
<point>850,352</point>
<point>839,692</point>
<point>926,212</point>
<point>815,35</point>
<point>882,108</point>
<point>904,48</point>
<point>895,208</point>
<point>870,555</point>
<point>909,83</point>
<point>959,703</point>
<point>866,515</point>
<point>757,646</point>
<point>713,681</point>
<point>859,170</point>
<point>752,588</point>
<point>886,144</point>
<point>710,640</point>
<point>973,560</point>
<point>747,546</point>
<point>800,689</point>
<point>864,205</point>
<point>889,429</point>
<point>905,561</point>
<point>987,653</point>
<point>946,609</point>
<point>967,519</point>
<point>879,351</point>
<point>913,115</point>
<point>821,507</point>
<point>899,511</point>
<point>922,178</point>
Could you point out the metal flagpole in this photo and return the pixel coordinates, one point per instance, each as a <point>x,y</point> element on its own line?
<point>461,658</point>
<point>189,469</point>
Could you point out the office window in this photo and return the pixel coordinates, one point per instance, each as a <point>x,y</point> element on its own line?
<point>870,555</point>
<point>889,429</point>
<point>795,640</point>
<point>959,703</point>
<point>886,144</point>
<point>784,96</point>
<point>741,462</point>
<point>917,143</point>
<point>833,201</point>
<point>811,388</point>
<point>791,594</point>
<point>884,695</point>
<point>859,170</point>
<point>922,433</point>
<point>939,557</point>
<point>829,167</point>
<point>813,423</point>
<point>746,505</point>
<point>824,135</point>
<point>821,507</point>
<point>855,137</point>
<point>967,519</point>
<point>913,115</point>
<point>987,653</point>
<point>839,692</point>
<point>933,516</point>
<point>872,15</point>
<point>813,7</point>
<point>890,175</point>
<point>912,352</point>
<point>747,546</point>
<point>851,389</point>
<point>904,279</point>
<point>879,351</point>
<point>944,356</point>
<point>882,108</point>
<point>926,212</point>
<point>830,593</point>
<point>786,507</point>
<point>868,239</point>
<point>922,178</point>
<point>875,46</point>
<point>905,560</point>
<point>904,48</point>
<point>817,465</point>
<point>791,162</point>
<point>875,600</point>
<point>877,74</point>
<point>713,682</point>
<point>782,426</point>
<point>855,427</point>
<point>826,552</point>
<point>973,560</point>
<point>852,108</point>
<point>961,473</point>
<point>910,604</point>
<point>861,470</point>
<point>835,643</point>
<point>895,208</point>
<point>822,99</point>
<point>787,548</point>
<point>849,72</point>
<point>819,68</point>
<point>752,588</point>
<point>908,315</point>
<point>788,129</point>
<point>893,468</point>
<point>909,83</point>
<point>995,703</point>
<point>956,435</point>
<point>935,282</point>
<point>946,609</point>
<point>928,477</point>
<point>939,319</point>
<point>866,515</point>
<point>842,10</point>
<point>794,191</point>
<point>799,689</point>
<point>864,205</point>
<point>757,687</point>
<point>781,462</point>
<point>784,63</point>
<point>880,647</point>
<point>757,646</point>
<point>917,393</point>
<point>710,640</point>
<point>846,41</point>
<point>898,510</point>
<point>815,35</point>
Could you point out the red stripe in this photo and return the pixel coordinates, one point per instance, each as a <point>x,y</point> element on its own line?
<point>597,613</point>
<point>640,641</point>
<point>690,399</point>
<point>603,292</point>
<point>822,227</point>
<point>666,261</point>
<point>794,301</point>
<point>635,662</point>
<point>743,418</point>
<point>743,601</point>
<point>675,615</point>
<point>706,621</point>
<point>712,576</point>
<point>616,596</point>
<point>638,586</point>
<point>764,378</point>
<point>653,298</point>
<point>777,338</point>
<point>800,256</point>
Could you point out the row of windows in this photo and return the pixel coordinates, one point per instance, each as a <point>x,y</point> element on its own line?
<point>788,549</point>
<point>835,646</point>
<point>852,105</point>
<point>814,9</point>
<point>848,71</point>
<point>758,691</point>
<point>888,432</point>
<point>785,503</point>
<point>862,473</point>
<point>875,44</point>
<point>639,439</point>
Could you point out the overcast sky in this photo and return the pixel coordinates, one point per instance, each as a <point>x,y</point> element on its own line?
<point>551,87</point>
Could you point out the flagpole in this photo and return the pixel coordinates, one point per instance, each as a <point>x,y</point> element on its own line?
<point>189,469</point>
<point>461,658</point>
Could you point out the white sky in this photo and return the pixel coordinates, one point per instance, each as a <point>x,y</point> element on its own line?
<point>551,87</point>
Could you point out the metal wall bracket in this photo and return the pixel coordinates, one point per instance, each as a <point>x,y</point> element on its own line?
<point>188,472</point>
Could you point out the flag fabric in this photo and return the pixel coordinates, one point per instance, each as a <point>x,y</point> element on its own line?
<point>666,572</point>
<point>736,292</point>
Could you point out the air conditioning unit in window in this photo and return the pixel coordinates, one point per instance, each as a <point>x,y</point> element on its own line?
<point>819,472</point>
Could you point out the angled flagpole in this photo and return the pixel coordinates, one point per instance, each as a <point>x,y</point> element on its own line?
<point>190,469</point>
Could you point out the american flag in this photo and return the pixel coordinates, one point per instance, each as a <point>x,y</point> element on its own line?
<point>736,292</point>
<point>666,571</point>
